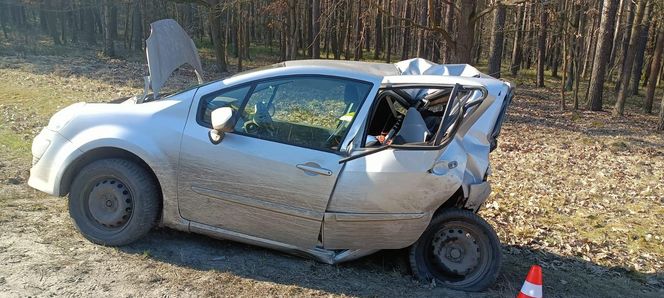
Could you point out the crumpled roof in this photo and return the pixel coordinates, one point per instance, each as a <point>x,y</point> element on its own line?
<point>415,66</point>
<point>419,66</point>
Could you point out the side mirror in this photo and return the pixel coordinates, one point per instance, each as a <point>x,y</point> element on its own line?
<point>223,120</point>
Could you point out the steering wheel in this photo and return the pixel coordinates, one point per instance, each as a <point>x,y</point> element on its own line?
<point>393,131</point>
<point>334,139</point>
<point>261,122</point>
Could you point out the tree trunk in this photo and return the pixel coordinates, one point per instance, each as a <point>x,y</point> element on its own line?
<point>566,53</point>
<point>214,18</point>
<point>358,32</point>
<point>655,67</point>
<point>660,125</point>
<point>315,19</point>
<point>52,23</point>
<point>541,46</point>
<point>629,25</point>
<point>463,48</point>
<point>434,49</point>
<point>592,44</point>
<point>405,45</point>
<point>518,40</point>
<point>644,26</point>
<point>109,47</point>
<point>577,57</point>
<point>449,27</point>
<point>240,38</point>
<point>497,36</point>
<point>619,108</point>
<point>420,52</point>
<point>378,40</point>
<point>602,52</point>
<point>336,48</point>
<point>114,21</point>
<point>292,27</point>
<point>388,43</point>
<point>616,41</point>
<point>137,26</point>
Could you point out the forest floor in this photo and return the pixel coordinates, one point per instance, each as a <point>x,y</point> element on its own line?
<point>581,193</point>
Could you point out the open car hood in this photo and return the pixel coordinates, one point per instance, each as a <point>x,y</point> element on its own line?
<point>168,48</point>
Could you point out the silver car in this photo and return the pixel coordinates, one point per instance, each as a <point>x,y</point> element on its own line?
<point>331,160</point>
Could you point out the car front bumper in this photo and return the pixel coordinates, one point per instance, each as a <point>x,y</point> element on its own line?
<point>51,154</point>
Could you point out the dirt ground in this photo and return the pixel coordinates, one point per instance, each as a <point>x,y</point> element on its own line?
<point>580,193</point>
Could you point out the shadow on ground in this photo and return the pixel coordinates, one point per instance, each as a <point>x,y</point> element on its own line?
<point>563,276</point>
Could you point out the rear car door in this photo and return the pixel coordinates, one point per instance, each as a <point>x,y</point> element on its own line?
<point>272,177</point>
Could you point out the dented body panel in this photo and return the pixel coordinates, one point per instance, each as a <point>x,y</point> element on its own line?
<point>263,192</point>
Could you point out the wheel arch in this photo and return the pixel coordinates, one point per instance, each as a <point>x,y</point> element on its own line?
<point>457,200</point>
<point>102,153</point>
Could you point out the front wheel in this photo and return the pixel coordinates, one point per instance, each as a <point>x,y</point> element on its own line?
<point>459,250</point>
<point>114,202</point>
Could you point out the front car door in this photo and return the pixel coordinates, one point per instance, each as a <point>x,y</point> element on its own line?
<point>273,176</point>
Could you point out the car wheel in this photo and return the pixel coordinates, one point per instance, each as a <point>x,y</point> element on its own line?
<point>114,202</point>
<point>459,250</point>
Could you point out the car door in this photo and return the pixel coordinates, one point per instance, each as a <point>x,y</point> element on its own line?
<point>273,176</point>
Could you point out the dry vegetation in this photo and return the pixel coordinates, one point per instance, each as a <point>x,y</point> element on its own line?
<point>580,193</point>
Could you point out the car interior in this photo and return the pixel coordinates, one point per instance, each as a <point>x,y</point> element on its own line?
<point>414,116</point>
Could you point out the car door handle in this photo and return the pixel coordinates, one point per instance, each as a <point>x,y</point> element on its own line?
<point>313,168</point>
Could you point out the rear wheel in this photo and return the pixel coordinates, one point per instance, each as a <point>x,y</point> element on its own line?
<point>114,202</point>
<point>459,250</point>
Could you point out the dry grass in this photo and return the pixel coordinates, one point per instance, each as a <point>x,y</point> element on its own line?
<point>580,193</point>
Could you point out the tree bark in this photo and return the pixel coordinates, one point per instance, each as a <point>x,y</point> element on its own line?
<point>114,21</point>
<point>592,44</point>
<point>109,47</point>
<point>449,27</point>
<point>137,26</point>
<point>420,51</point>
<point>637,69</point>
<point>655,67</point>
<point>388,43</point>
<point>463,48</point>
<point>629,25</point>
<point>660,125</point>
<point>497,36</point>
<point>358,32</point>
<point>541,46</point>
<point>619,108</point>
<point>214,17</point>
<point>616,41</point>
<point>602,52</point>
<point>378,39</point>
<point>315,18</point>
<point>405,45</point>
<point>518,40</point>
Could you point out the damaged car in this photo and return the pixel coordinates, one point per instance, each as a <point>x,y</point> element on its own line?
<point>331,160</point>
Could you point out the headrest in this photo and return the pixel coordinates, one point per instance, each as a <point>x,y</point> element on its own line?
<point>413,129</point>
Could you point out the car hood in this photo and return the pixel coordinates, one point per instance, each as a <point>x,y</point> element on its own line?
<point>168,48</point>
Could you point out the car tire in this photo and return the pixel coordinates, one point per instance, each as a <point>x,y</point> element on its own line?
<point>114,202</point>
<point>458,250</point>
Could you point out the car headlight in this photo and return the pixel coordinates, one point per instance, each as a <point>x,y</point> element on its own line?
<point>39,146</point>
<point>61,118</point>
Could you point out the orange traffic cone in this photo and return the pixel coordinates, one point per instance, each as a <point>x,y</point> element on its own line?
<point>532,287</point>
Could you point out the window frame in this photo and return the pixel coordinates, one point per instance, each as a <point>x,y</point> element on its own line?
<point>202,100</point>
<point>255,83</point>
